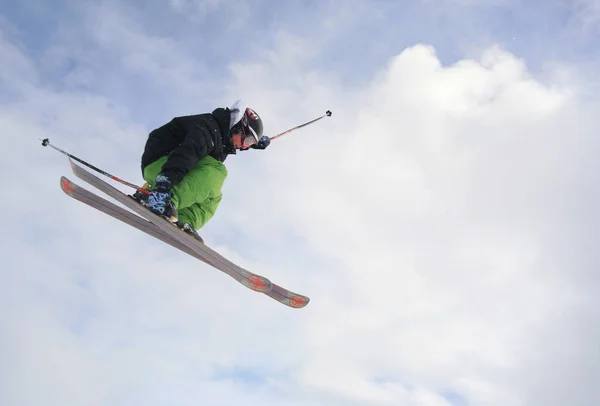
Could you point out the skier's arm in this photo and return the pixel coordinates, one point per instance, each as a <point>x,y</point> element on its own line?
<point>183,158</point>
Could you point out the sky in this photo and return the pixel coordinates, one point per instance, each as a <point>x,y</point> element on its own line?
<point>443,221</point>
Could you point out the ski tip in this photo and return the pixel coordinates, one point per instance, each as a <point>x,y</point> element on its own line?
<point>258,283</point>
<point>66,186</point>
<point>298,301</point>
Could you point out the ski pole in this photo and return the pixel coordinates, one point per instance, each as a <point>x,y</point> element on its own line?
<point>327,114</point>
<point>46,143</point>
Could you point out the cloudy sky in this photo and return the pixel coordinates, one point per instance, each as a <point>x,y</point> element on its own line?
<point>444,221</point>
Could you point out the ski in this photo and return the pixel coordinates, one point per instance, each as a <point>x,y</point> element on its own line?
<point>250,280</point>
<point>165,231</point>
<point>278,293</point>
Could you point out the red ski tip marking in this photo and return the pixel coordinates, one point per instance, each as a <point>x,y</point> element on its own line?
<point>259,284</point>
<point>298,301</point>
<point>66,185</point>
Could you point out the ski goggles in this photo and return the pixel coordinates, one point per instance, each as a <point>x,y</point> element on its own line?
<point>249,135</point>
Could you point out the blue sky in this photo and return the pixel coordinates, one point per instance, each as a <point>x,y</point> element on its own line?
<point>442,220</point>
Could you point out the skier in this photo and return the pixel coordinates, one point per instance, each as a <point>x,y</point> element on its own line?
<point>183,162</point>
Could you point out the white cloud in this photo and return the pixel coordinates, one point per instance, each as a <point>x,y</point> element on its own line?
<point>236,12</point>
<point>589,12</point>
<point>434,194</point>
<point>464,3</point>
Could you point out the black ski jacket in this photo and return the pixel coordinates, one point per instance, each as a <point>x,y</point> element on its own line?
<point>188,139</point>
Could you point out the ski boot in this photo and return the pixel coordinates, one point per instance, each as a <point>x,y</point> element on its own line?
<point>141,197</point>
<point>170,213</point>
<point>190,230</point>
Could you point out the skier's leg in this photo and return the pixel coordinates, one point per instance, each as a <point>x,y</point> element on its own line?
<point>189,228</point>
<point>199,214</point>
<point>198,195</point>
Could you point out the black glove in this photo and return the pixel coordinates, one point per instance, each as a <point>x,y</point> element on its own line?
<point>263,143</point>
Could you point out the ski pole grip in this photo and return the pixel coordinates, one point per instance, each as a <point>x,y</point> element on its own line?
<point>328,112</point>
